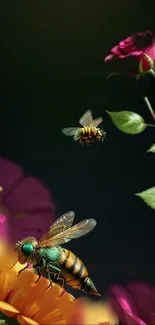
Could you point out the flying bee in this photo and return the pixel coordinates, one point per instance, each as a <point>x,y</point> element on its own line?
<point>53,262</point>
<point>89,133</point>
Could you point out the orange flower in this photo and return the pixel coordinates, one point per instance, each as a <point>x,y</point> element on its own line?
<point>27,302</point>
<point>87,312</point>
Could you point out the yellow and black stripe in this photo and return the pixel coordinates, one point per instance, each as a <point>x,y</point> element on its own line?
<point>76,274</point>
<point>74,265</point>
<point>91,134</point>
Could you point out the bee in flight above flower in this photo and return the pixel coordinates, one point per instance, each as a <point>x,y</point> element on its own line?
<point>89,133</point>
<point>52,261</point>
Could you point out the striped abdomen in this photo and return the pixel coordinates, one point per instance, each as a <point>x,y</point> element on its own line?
<point>91,134</point>
<point>88,132</point>
<point>75,273</point>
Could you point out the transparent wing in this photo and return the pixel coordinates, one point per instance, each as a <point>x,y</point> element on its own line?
<point>77,134</point>
<point>86,119</point>
<point>79,230</point>
<point>69,131</point>
<point>97,122</point>
<point>60,225</point>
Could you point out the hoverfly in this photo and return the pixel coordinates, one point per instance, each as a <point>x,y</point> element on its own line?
<point>53,262</point>
<point>89,133</point>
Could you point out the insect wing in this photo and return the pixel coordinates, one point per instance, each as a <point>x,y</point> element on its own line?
<point>69,131</point>
<point>86,119</point>
<point>77,134</point>
<point>97,122</point>
<point>79,230</point>
<point>60,225</point>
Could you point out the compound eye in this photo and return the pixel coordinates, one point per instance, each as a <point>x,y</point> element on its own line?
<point>27,249</point>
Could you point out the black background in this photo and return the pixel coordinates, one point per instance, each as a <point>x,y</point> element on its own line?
<point>51,72</point>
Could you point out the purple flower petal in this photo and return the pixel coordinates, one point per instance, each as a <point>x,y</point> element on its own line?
<point>26,206</point>
<point>134,304</point>
<point>28,195</point>
<point>10,175</point>
<point>3,226</point>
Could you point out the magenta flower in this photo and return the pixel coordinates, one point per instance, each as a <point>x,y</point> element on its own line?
<point>134,303</point>
<point>26,208</point>
<point>134,55</point>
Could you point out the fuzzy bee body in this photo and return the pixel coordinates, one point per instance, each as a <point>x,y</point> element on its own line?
<point>72,271</point>
<point>55,263</point>
<point>89,133</point>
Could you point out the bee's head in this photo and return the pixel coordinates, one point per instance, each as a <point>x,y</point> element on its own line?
<point>25,248</point>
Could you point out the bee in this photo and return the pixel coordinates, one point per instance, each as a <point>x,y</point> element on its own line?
<point>89,133</point>
<point>53,262</point>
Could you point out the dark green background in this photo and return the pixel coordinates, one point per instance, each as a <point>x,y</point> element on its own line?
<point>51,71</point>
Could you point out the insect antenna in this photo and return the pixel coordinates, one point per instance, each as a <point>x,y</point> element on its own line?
<point>13,265</point>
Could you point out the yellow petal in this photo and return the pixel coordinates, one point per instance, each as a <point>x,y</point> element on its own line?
<point>8,257</point>
<point>35,301</point>
<point>24,301</point>
<point>52,316</point>
<point>65,303</point>
<point>7,281</point>
<point>86,312</point>
<point>53,306</point>
<point>26,320</point>
<point>8,310</point>
<point>30,297</point>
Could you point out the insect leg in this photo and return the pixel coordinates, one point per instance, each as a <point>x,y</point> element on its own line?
<point>104,135</point>
<point>53,273</point>
<point>43,263</point>
<point>23,269</point>
<point>50,280</point>
<point>37,271</point>
<point>60,280</point>
<point>53,268</point>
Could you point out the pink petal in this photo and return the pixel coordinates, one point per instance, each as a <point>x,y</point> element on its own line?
<point>151,51</point>
<point>136,54</point>
<point>116,50</point>
<point>3,226</point>
<point>124,298</point>
<point>25,202</point>
<point>29,195</point>
<point>126,41</point>
<point>109,57</point>
<point>122,43</point>
<point>123,305</point>
<point>128,48</point>
<point>34,224</point>
<point>10,175</point>
<point>144,297</point>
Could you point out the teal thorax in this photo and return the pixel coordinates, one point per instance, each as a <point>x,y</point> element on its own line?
<point>52,254</point>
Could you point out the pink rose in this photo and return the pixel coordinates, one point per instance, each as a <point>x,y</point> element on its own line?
<point>134,55</point>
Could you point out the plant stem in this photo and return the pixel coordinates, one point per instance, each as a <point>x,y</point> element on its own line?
<point>151,125</point>
<point>149,108</point>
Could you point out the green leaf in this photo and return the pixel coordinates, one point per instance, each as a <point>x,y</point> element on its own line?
<point>128,122</point>
<point>152,148</point>
<point>5,320</point>
<point>148,197</point>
